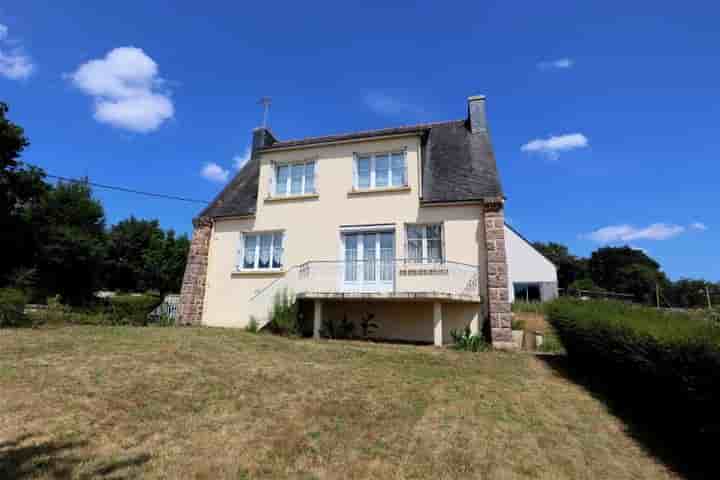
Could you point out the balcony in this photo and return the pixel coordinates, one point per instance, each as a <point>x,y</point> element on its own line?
<point>392,279</point>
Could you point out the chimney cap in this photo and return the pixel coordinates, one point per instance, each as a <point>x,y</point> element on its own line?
<point>475,98</point>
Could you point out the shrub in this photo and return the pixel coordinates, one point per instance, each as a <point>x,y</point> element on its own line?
<point>582,285</point>
<point>367,326</point>
<point>252,325</point>
<point>284,315</point>
<point>464,340</point>
<point>132,309</point>
<point>550,343</point>
<point>12,308</point>
<point>518,324</point>
<point>670,359</point>
<point>340,330</point>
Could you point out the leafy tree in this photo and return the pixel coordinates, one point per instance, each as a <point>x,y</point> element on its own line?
<point>128,241</point>
<point>164,262</point>
<point>20,188</point>
<point>626,270</point>
<point>691,293</point>
<point>141,256</point>
<point>583,284</point>
<point>569,267</point>
<point>69,227</point>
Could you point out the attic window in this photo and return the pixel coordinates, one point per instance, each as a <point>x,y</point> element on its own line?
<point>379,170</point>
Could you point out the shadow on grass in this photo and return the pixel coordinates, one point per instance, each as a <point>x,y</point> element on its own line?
<point>656,422</point>
<point>21,459</point>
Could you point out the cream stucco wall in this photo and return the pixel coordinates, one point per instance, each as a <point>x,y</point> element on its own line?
<point>312,226</point>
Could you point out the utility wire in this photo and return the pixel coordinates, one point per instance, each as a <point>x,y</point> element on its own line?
<point>122,189</point>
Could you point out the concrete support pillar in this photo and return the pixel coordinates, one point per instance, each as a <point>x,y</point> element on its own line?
<point>317,319</point>
<point>475,323</point>
<point>437,324</point>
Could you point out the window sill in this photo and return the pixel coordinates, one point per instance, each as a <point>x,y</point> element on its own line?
<point>377,190</point>
<point>291,198</point>
<point>259,272</point>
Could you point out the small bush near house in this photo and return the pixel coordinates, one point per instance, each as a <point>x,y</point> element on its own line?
<point>669,360</point>
<point>12,308</point>
<point>367,326</point>
<point>518,324</point>
<point>464,340</point>
<point>337,330</point>
<point>284,315</point>
<point>252,325</point>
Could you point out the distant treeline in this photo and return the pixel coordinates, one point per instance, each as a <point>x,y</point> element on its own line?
<point>55,240</point>
<point>630,271</point>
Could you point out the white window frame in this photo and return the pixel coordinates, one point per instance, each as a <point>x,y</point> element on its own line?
<point>288,182</point>
<point>425,256</point>
<point>373,172</point>
<point>256,264</point>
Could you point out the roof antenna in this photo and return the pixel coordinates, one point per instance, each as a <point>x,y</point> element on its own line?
<point>265,102</point>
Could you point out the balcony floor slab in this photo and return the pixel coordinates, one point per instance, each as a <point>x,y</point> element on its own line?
<point>392,296</point>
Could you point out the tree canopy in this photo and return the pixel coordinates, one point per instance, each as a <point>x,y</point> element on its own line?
<point>55,241</point>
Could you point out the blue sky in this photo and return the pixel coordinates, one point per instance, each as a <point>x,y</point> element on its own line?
<point>603,114</point>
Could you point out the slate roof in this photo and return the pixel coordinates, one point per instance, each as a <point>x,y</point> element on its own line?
<point>458,165</point>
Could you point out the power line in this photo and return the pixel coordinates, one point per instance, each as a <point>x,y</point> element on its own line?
<point>122,189</point>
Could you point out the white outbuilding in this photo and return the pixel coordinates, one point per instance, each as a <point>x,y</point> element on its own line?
<point>531,276</point>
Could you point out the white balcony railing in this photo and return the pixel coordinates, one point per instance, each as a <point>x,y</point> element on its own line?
<point>372,279</point>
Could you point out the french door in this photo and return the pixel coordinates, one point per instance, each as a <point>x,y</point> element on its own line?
<point>369,264</point>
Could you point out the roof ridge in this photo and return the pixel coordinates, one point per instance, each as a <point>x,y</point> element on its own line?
<point>364,132</point>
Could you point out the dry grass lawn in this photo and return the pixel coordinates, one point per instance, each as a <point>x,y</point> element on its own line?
<point>87,402</point>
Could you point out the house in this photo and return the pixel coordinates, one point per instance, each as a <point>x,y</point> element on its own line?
<point>402,223</point>
<point>531,276</point>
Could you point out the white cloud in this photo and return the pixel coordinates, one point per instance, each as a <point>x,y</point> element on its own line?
<point>15,64</point>
<point>627,233</point>
<point>126,88</point>
<point>239,161</point>
<point>699,226</point>
<point>560,64</point>
<point>552,146</point>
<point>389,105</point>
<point>215,173</point>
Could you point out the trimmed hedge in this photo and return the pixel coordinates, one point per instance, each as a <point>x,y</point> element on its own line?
<point>670,360</point>
<point>119,310</point>
<point>132,309</point>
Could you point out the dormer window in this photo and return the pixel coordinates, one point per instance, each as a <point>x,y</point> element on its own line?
<point>295,179</point>
<point>379,170</point>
